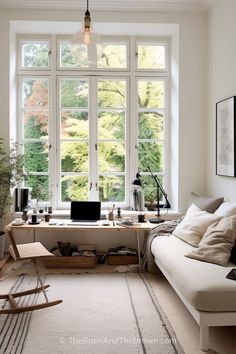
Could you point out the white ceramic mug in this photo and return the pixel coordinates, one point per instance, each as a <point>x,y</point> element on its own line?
<point>18,221</point>
<point>127,219</point>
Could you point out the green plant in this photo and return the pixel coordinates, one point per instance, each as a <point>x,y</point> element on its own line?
<point>11,175</point>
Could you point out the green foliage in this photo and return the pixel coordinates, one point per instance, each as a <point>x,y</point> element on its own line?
<point>35,54</point>
<point>74,157</point>
<point>74,120</point>
<point>74,188</point>
<point>11,174</point>
<point>74,93</point>
<point>111,189</point>
<point>70,54</point>
<point>39,187</point>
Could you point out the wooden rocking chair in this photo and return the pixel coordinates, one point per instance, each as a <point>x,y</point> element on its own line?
<point>29,251</point>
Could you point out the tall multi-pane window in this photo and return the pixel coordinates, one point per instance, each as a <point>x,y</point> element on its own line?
<point>86,131</point>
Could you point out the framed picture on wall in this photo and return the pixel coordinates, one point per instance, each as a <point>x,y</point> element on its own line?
<point>225,137</point>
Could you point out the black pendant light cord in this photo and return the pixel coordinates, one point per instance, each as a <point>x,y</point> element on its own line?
<point>87,13</point>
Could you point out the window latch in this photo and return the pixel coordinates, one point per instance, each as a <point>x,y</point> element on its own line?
<point>91,186</point>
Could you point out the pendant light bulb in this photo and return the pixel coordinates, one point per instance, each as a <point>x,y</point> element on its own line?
<point>89,40</point>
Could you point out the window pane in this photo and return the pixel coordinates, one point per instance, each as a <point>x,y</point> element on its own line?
<point>74,124</point>
<point>39,185</point>
<point>112,188</point>
<point>111,157</point>
<point>114,57</point>
<point>112,93</point>
<point>150,154</point>
<point>36,156</point>
<point>150,188</point>
<point>151,94</point>
<point>111,125</point>
<point>74,188</point>
<point>151,56</point>
<point>35,54</point>
<point>74,93</point>
<point>72,56</point>
<point>35,93</point>
<point>150,125</point>
<point>35,124</point>
<point>74,156</point>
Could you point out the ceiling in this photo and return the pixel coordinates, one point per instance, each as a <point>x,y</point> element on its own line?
<point>112,5</point>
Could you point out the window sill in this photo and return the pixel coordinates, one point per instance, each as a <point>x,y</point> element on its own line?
<point>170,215</point>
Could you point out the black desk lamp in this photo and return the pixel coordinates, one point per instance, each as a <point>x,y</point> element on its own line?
<point>138,195</point>
<point>137,180</point>
<point>166,205</point>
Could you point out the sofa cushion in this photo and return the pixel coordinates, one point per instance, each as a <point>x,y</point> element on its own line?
<point>226,209</point>
<point>205,203</point>
<point>194,225</point>
<point>217,242</point>
<point>203,285</point>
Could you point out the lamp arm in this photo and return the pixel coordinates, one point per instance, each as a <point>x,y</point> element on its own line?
<point>158,183</point>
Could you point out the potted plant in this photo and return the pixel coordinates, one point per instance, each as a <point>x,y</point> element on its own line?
<point>11,175</point>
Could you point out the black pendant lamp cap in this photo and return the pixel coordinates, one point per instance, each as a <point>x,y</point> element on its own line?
<point>137,180</point>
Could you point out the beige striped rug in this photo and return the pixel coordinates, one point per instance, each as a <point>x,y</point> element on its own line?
<point>100,314</point>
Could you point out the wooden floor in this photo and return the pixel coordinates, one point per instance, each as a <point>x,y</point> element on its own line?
<point>222,339</point>
<point>4,260</point>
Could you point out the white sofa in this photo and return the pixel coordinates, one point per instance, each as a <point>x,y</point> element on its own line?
<point>203,287</point>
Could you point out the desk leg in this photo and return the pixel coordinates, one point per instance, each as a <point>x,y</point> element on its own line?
<point>138,250</point>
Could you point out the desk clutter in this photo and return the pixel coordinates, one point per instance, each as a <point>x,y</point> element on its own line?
<point>69,256</point>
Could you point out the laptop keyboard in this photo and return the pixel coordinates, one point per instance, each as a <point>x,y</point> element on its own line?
<point>84,222</point>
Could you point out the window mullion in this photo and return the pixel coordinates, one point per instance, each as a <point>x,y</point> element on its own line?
<point>93,142</point>
<point>53,131</point>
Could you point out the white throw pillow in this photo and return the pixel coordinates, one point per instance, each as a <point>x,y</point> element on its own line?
<point>194,225</point>
<point>226,209</point>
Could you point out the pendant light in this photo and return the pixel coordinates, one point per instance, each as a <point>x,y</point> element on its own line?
<point>89,40</point>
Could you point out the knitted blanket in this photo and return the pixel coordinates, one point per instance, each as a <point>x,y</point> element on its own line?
<point>163,229</point>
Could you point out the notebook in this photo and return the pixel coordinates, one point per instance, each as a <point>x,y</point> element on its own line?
<point>85,213</point>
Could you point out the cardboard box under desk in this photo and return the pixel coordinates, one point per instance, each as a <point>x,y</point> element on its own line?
<point>71,262</point>
<point>122,259</point>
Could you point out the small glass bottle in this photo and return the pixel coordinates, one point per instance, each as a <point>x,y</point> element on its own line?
<point>110,214</point>
<point>25,215</point>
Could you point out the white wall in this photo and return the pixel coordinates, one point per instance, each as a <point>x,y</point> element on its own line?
<point>189,149</point>
<point>221,84</point>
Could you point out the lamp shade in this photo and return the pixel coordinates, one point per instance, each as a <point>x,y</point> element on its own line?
<point>137,180</point>
<point>91,44</point>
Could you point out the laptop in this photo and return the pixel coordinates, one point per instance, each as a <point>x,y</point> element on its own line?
<point>85,213</point>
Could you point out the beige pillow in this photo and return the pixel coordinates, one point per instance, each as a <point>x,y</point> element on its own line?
<point>205,203</point>
<point>217,243</point>
<point>194,225</point>
<point>226,209</point>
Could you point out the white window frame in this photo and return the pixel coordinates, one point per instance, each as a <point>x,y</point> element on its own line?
<point>131,74</point>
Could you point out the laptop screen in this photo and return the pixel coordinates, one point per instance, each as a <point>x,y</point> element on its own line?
<point>85,210</point>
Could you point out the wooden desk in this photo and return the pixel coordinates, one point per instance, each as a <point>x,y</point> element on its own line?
<point>61,225</point>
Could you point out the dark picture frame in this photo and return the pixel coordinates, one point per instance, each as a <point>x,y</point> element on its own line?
<point>225,137</point>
